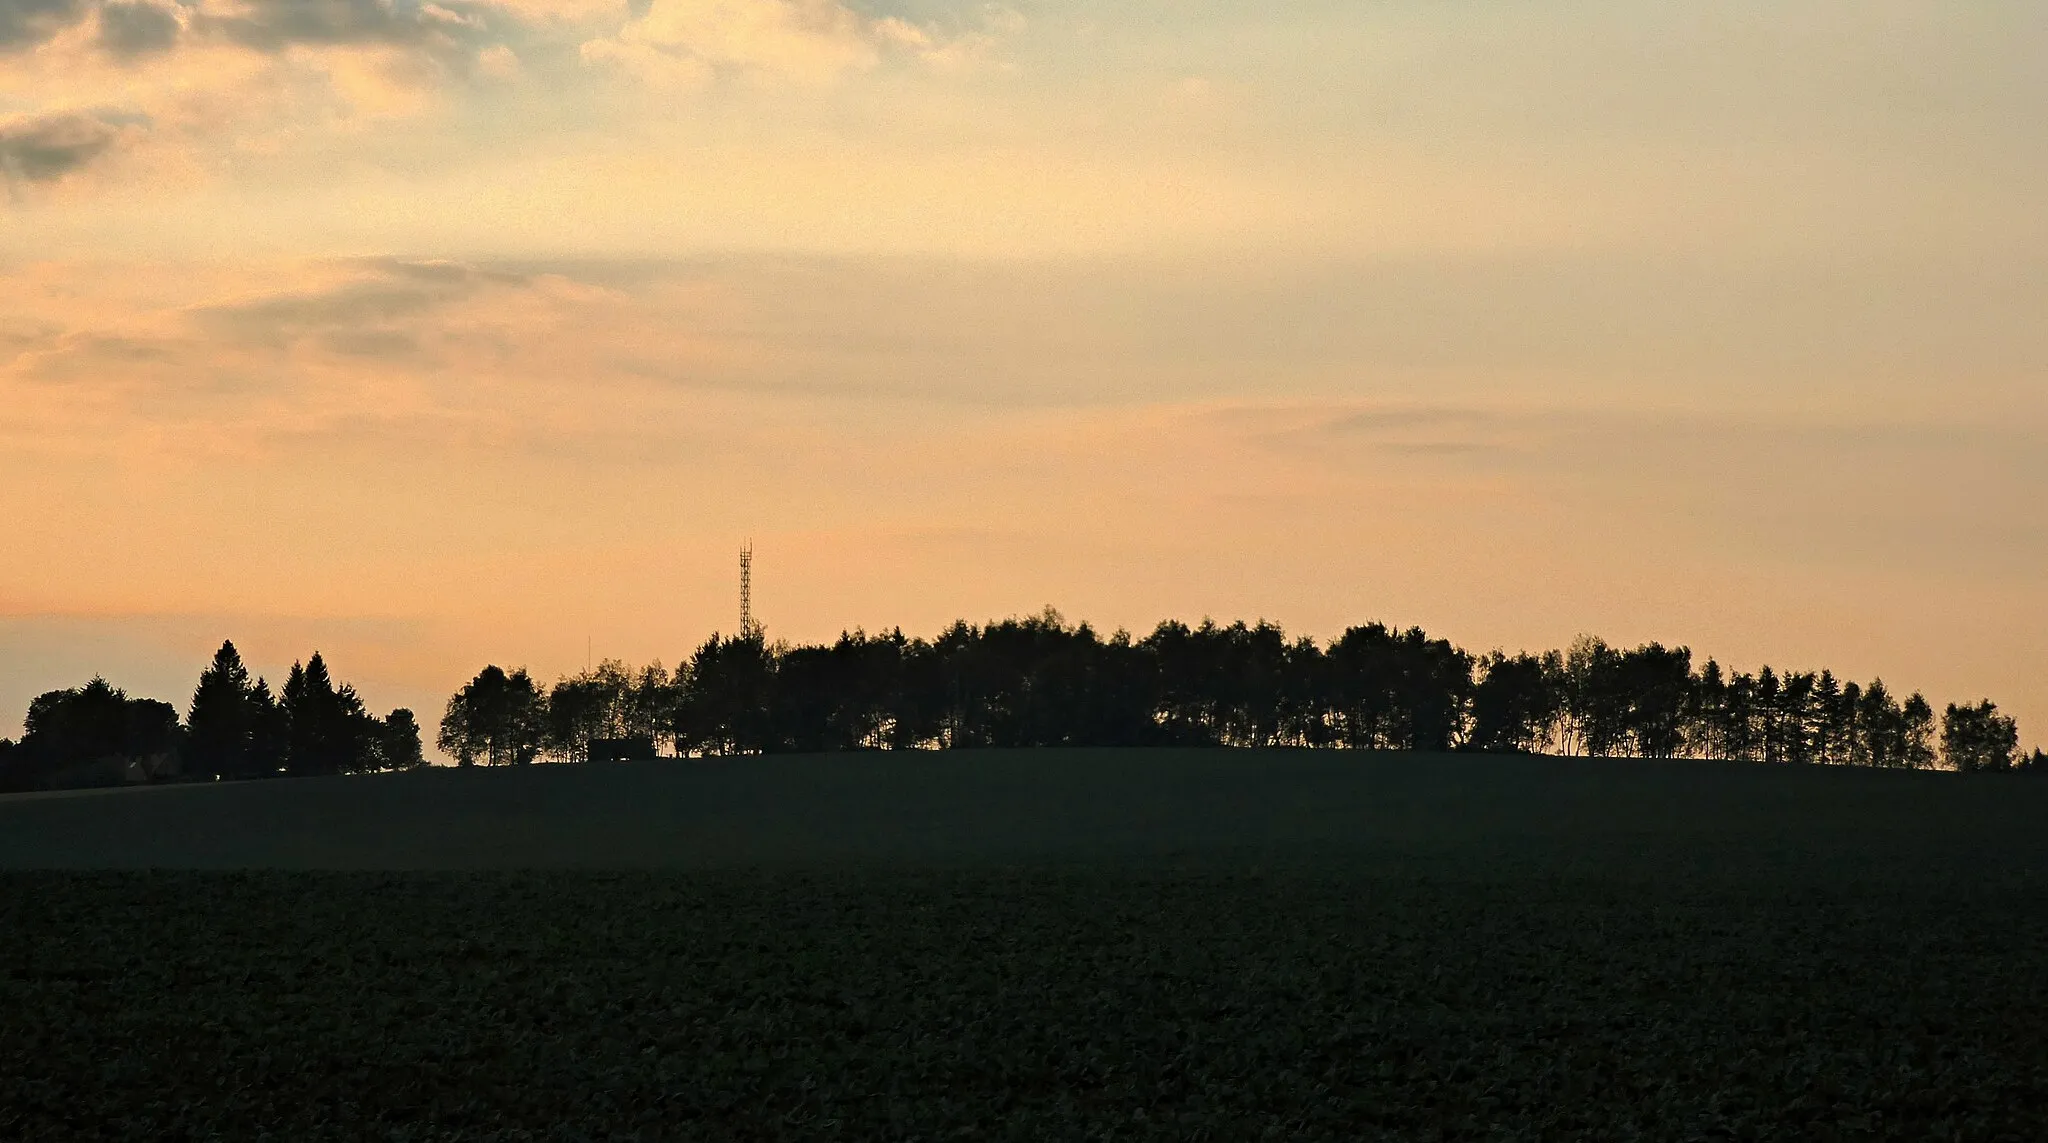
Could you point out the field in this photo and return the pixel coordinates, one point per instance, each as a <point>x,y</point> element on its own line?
<point>1084,945</point>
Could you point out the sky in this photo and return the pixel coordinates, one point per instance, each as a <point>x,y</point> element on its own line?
<point>435,334</point>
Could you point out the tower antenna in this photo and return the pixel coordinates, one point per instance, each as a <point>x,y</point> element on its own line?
<point>747,629</point>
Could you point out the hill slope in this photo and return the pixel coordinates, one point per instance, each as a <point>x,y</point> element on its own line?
<point>1616,817</point>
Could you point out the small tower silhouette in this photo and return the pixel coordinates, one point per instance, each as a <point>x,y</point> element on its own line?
<point>747,628</point>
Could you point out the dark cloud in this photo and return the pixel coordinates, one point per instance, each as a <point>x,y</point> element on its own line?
<point>44,148</point>
<point>131,28</point>
<point>274,25</point>
<point>26,23</point>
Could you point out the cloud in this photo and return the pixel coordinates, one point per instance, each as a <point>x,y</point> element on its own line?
<point>26,23</point>
<point>1401,429</point>
<point>131,28</point>
<point>689,42</point>
<point>365,315</point>
<point>1386,418</point>
<point>275,25</point>
<point>437,270</point>
<point>607,12</point>
<point>45,148</point>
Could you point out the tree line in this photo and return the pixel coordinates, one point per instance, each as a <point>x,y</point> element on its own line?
<point>1034,681</point>
<point>1038,681</point>
<point>235,727</point>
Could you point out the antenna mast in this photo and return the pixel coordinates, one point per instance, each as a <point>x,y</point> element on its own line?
<point>747,629</point>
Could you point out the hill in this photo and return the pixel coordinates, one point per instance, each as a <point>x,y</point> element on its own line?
<point>1127,806</point>
<point>1160,945</point>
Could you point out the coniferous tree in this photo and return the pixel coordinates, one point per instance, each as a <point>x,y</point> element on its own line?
<point>221,726</point>
<point>1703,711</point>
<point>1825,732</point>
<point>270,733</point>
<point>326,728</point>
<point>356,735</point>
<point>1916,732</point>
<point>1768,715</point>
<point>305,718</point>
<point>1881,727</point>
<point>1796,717</point>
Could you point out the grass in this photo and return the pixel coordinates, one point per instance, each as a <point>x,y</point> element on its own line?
<point>1034,947</point>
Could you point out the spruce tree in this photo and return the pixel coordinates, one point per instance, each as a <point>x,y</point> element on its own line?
<point>270,738</point>
<point>317,735</point>
<point>222,719</point>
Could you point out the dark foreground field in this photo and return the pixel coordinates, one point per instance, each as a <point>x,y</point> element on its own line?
<point>1051,946</point>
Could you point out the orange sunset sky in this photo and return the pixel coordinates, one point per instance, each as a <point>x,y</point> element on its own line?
<point>432,334</point>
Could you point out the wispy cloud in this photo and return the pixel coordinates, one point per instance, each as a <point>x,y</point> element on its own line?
<point>690,42</point>
<point>367,314</point>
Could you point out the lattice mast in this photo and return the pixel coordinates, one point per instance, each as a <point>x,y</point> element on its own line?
<point>747,629</point>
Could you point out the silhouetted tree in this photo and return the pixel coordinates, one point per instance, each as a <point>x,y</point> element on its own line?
<point>94,735</point>
<point>1827,729</point>
<point>1397,691</point>
<point>496,717</point>
<point>1596,701</point>
<point>1796,718</point>
<point>726,697</point>
<point>1916,720</point>
<point>1516,703</point>
<point>1704,720</point>
<point>1040,681</point>
<point>578,710</point>
<point>1188,683</point>
<point>1881,728</point>
<point>1978,738</point>
<point>326,732</point>
<point>221,726</point>
<point>648,709</point>
<point>1654,691</point>
<point>1833,718</point>
<point>270,734</point>
<point>399,741</point>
